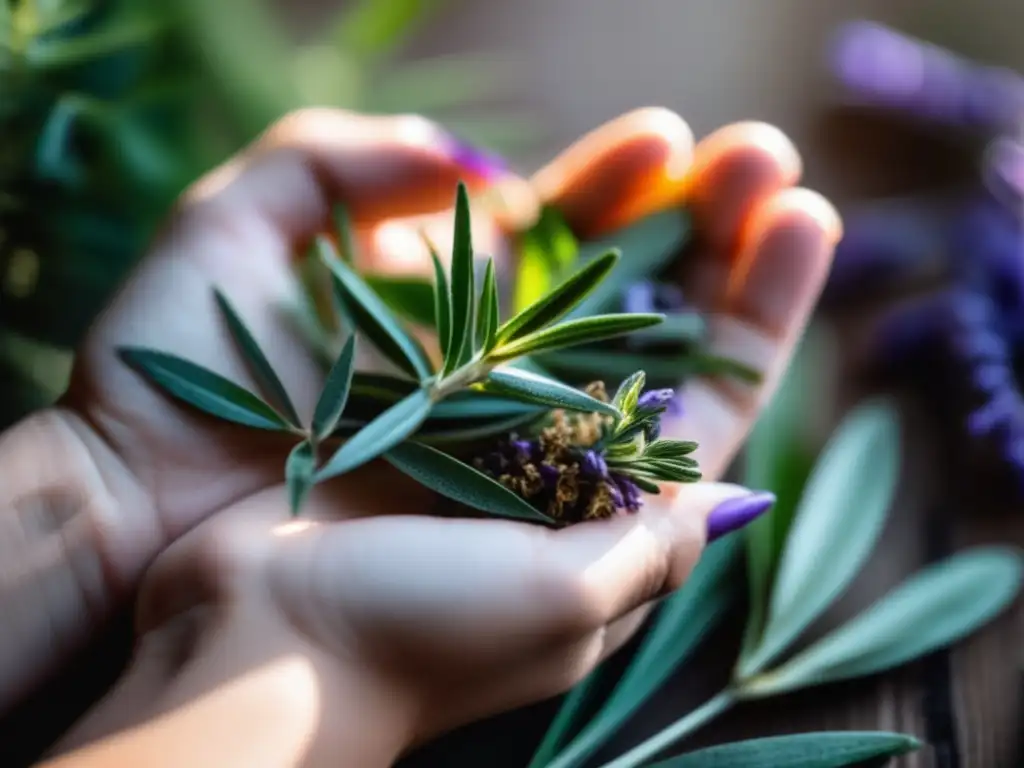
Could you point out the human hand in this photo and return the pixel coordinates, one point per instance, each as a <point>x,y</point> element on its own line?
<point>528,611</point>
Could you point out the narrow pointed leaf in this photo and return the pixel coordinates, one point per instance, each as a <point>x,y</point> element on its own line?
<point>203,389</point>
<point>560,301</point>
<point>458,434</point>
<point>463,291</point>
<point>373,318</point>
<point>410,298</point>
<point>460,482</point>
<point>932,609</point>
<point>487,314</point>
<point>802,750</point>
<point>379,436</point>
<point>262,371</point>
<point>683,620</point>
<point>778,459</point>
<point>541,390</point>
<point>567,718</point>
<point>473,404</point>
<point>583,331</point>
<point>335,393</point>
<point>628,394</point>
<point>837,522</point>
<point>298,473</point>
<point>346,243</point>
<point>442,303</point>
<point>646,246</point>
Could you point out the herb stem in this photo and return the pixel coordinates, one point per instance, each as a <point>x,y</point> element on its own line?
<point>686,725</point>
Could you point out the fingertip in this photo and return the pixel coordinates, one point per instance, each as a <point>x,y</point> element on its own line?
<point>797,207</point>
<point>627,168</point>
<point>747,142</point>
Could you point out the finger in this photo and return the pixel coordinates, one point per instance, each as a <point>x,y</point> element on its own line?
<point>623,170</point>
<point>782,264</point>
<point>380,167</point>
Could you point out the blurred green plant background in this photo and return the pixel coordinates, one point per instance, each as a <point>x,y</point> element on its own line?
<point>110,107</point>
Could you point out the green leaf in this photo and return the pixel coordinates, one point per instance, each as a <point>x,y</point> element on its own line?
<point>379,436</point>
<point>298,473</point>
<point>334,395</point>
<point>373,318</point>
<point>777,459</point>
<point>346,243</point>
<point>628,394</point>
<point>839,518</point>
<point>541,390</point>
<point>459,434</point>
<point>371,29</point>
<point>662,370</point>
<point>583,331</point>
<point>567,718</point>
<point>462,285</point>
<point>487,317</point>
<point>203,389</point>
<point>546,251</point>
<point>458,481</point>
<point>411,298</point>
<point>646,247</point>
<point>802,750</point>
<point>680,328</point>
<point>559,301</point>
<point>683,620</point>
<point>442,303</point>
<point>932,609</point>
<point>264,374</point>
<point>474,404</point>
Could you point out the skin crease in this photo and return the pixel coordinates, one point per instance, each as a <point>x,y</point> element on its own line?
<point>364,629</point>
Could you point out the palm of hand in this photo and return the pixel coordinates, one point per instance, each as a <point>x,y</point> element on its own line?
<point>390,579</point>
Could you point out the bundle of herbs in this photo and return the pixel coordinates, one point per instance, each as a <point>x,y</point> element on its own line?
<point>481,422</point>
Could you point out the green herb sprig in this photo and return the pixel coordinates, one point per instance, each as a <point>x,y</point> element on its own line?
<point>483,387</point>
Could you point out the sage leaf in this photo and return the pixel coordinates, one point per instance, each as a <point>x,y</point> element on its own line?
<point>683,620</point>
<point>662,370</point>
<point>559,301</point>
<point>334,395</point>
<point>801,750</point>
<point>260,368</point>
<point>373,318</point>
<point>410,298</point>
<point>572,332</point>
<point>646,247</point>
<point>203,389</point>
<point>838,520</point>
<point>474,404</point>
<point>777,459</point>
<point>460,482</point>
<point>298,474</point>
<point>541,390</point>
<point>932,609</point>
<point>487,315</point>
<point>442,303</point>
<point>463,292</point>
<point>379,436</point>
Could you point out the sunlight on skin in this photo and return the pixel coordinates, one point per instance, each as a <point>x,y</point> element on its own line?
<point>267,718</point>
<point>293,528</point>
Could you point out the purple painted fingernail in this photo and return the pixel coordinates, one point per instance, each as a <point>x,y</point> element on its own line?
<point>736,513</point>
<point>477,161</point>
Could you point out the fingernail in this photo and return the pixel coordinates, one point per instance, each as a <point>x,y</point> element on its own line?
<point>737,512</point>
<point>479,162</point>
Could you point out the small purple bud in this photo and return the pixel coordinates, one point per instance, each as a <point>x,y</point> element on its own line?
<point>549,475</point>
<point>594,464</point>
<point>523,449</point>
<point>639,298</point>
<point>616,495</point>
<point>656,399</point>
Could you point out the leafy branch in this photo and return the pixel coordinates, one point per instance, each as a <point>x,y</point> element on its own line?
<point>483,386</point>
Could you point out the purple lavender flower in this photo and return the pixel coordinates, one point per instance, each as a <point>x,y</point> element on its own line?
<point>655,400</point>
<point>887,69</point>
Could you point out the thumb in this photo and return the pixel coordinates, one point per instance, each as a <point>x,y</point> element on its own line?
<point>619,565</point>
